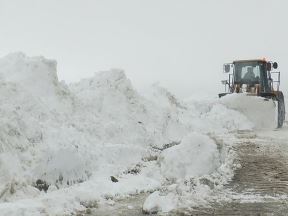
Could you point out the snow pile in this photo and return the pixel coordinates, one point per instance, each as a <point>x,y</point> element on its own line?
<point>163,97</point>
<point>155,203</point>
<point>69,140</point>
<point>194,176</point>
<point>37,75</point>
<point>61,167</point>
<point>34,143</point>
<point>260,111</point>
<point>196,155</point>
<point>113,109</point>
<point>217,118</point>
<point>28,72</point>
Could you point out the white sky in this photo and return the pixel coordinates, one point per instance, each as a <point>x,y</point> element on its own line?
<point>180,43</point>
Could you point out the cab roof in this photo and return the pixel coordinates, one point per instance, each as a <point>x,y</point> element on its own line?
<point>251,60</point>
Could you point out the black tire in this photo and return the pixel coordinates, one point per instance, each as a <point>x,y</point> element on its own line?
<point>281,109</point>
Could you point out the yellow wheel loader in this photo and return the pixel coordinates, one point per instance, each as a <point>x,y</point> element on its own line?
<point>256,77</point>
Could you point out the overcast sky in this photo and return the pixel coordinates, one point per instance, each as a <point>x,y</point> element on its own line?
<point>181,44</point>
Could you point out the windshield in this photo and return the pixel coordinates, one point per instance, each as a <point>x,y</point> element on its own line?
<point>248,72</point>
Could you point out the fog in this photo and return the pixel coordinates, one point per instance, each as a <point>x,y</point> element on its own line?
<point>182,44</point>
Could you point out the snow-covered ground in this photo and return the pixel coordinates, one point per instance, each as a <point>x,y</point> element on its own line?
<point>71,140</point>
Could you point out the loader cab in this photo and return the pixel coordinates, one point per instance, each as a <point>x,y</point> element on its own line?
<point>255,78</point>
<point>252,74</point>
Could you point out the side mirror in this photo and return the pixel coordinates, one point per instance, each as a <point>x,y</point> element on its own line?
<point>226,68</point>
<point>269,66</point>
<point>275,65</point>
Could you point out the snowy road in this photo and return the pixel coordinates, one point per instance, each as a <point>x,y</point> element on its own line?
<point>259,186</point>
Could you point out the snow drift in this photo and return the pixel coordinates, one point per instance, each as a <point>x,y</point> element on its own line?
<point>69,140</point>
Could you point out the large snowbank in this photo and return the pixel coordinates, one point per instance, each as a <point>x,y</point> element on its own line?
<point>73,138</point>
